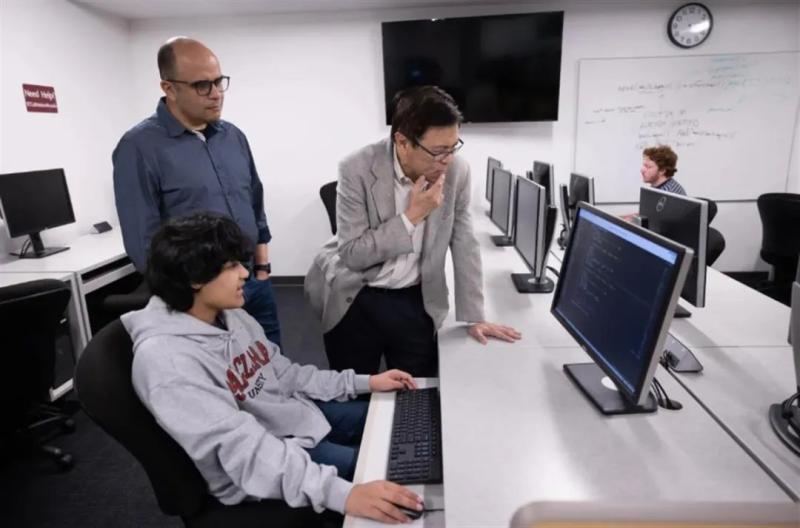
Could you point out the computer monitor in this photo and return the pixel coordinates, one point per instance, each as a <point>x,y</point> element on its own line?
<point>566,220</point>
<point>683,220</point>
<point>491,164</point>
<point>31,202</point>
<point>581,189</point>
<point>543,175</point>
<point>534,223</point>
<point>616,294</point>
<point>785,416</point>
<point>501,206</point>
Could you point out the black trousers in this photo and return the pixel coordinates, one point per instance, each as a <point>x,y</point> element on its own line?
<point>392,323</point>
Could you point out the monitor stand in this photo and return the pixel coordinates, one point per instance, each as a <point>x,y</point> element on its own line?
<point>38,249</point>
<point>780,424</point>
<point>679,358</point>
<point>502,240</point>
<point>589,379</point>
<point>527,283</point>
<point>681,312</point>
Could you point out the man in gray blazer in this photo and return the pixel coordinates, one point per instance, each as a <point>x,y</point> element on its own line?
<point>379,286</point>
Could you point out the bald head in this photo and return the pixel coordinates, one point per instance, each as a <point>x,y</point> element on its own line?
<point>178,50</point>
<point>192,82</point>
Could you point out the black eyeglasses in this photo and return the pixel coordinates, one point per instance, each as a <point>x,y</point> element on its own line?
<point>441,155</point>
<point>204,87</point>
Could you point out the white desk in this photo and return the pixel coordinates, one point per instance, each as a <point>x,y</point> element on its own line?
<point>516,430</point>
<point>93,260</point>
<point>737,386</point>
<point>373,459</point>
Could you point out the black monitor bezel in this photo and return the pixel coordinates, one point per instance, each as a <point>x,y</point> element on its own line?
<point>573,204</point>
<point>508,229</point>
<point>550,194</point>
<point>10,228</point>
<point>698,297</point>
<point>536,266</point>
<point>563,197</point>
<point>641,387</point>
<point>490,175</point>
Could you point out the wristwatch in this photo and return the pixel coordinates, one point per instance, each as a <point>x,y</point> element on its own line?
<point>263,267</point>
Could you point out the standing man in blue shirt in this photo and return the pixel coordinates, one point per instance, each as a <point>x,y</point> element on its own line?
<point>185,159</point>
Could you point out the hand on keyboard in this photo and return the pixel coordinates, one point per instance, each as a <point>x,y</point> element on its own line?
<point>379,500</point>
<point>391,380</point>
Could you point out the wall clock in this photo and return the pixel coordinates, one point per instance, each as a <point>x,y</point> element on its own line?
<point>690,25</point>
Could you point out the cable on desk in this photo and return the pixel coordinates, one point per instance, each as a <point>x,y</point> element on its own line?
<point>553,270</point>
<point>788,414</point>
<point>663,399</point>
<point>25,247</point>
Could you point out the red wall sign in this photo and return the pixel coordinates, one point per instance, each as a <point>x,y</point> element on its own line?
<point>40,98</point>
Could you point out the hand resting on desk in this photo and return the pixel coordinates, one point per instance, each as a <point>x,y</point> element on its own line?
<point>391,380</point>
<point>481,332</point>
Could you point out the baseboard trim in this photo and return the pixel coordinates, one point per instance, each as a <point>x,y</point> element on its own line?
<point>747,276</point>
<point>288,280</point>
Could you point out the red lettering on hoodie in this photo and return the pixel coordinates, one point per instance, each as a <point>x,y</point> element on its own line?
<point>236,386</point>
<point>242,370</point>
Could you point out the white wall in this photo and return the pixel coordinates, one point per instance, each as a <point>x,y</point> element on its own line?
<point>307,89</point>
<point>84,55</point>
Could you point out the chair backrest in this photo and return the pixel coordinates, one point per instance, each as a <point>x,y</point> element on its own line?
<point>30,313</point>
<point>712,208</point>
<point>328,194</point>
<point>780,225</point>
<point>104,388</point>
<point>715,246</point>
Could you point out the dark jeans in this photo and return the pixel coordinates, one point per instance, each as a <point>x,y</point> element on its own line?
<point>386,322</point>
<point>259,301</point>
<point>340,447</point>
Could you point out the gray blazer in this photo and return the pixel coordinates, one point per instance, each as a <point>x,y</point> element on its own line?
<point>371,232</point>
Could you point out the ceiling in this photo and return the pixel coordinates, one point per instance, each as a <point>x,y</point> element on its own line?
<point>139,9</point>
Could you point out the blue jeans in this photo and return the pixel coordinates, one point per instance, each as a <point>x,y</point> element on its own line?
<point>340,447</point>
<point>259,301</point>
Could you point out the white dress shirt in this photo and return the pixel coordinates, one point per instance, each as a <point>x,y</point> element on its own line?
<point>402,271</point>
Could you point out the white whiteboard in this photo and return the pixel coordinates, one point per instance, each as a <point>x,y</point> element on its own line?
<point>730,118</point>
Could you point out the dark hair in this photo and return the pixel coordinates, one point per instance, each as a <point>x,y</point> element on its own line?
<point>664,158</point>
<point>192,250</point>
<point>166,61</point>
<point>418,108</point>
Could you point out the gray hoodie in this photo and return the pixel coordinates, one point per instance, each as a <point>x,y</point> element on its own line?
<point>240,409</point>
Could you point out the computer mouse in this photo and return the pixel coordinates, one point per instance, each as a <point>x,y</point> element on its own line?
<point>411,514</point>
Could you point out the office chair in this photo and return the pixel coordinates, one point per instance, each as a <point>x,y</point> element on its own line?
<point>121,303</point>
<point>715,243</point>
<point>31,313</point>
<point>328,194</point>
<point>780,241</point>
<point>104,387</point>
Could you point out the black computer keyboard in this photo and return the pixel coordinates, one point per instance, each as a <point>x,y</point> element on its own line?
<point>415,452</point>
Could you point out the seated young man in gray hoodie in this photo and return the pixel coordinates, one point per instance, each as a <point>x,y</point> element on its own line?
<point>255,424</point>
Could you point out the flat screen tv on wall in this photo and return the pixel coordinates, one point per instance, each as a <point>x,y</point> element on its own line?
<point>497,68</point>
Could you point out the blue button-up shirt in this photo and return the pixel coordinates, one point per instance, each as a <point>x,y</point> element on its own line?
<point>162,170</point>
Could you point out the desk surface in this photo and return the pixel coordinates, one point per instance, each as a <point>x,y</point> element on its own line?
<point>9,279</point>
<point>374,457</point>
<point>738,385</point>
<point>85,253</point>
<point>516,430</point>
